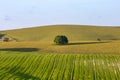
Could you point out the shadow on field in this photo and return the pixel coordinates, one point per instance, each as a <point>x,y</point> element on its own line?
<point>20,49</point>
<point>80,43</point>
<point>18,71</point>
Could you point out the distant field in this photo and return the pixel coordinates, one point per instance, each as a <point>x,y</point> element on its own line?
<point>81,47</point>
<point>36,66</point>
<point>73,32</point>
<point>82,39</point>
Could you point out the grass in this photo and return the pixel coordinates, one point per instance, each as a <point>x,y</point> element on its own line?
<point>81,47</point>
<point>36,66</point>
<point>73,32</point>
<point>84,58</point>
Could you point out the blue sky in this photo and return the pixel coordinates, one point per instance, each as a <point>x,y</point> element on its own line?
<point>27,13</point>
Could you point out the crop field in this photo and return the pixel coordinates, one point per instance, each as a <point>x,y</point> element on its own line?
<point>80,47</point>
<point>31,54</point>
<point>37,66</point>
<point>73,32</point>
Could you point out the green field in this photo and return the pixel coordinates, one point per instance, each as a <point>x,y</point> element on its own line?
<point>36,66</point>
<point>31,54</point>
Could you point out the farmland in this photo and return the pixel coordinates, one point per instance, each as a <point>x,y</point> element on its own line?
<point>73,32</point>
<point>36,66</point>
<point>79,47</point>
<point>31,54</point>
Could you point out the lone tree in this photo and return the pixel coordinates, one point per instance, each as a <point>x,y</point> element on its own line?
<point>61,40</point>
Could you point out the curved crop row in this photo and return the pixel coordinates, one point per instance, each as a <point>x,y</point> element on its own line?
<point>59,66</point>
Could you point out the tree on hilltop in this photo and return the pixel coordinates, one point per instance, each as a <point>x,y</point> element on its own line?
<point>61,40</point>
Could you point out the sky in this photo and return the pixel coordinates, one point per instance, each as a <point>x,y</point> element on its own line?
<point>27,13</point>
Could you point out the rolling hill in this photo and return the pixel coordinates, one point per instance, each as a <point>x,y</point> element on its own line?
<point>33,56</point>
<point>73,32</point>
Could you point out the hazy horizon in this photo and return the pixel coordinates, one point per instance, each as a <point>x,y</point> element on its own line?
<point>28,13</point>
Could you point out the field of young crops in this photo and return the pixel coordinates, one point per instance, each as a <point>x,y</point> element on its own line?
<point>36,66</point>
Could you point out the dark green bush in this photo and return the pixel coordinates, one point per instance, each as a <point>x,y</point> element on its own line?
<point>61,40</point>
<point>6,39</point>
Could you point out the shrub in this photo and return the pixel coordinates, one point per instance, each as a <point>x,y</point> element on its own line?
<point>61,40</point>
<point>6,39</point>
<point>98,39</point>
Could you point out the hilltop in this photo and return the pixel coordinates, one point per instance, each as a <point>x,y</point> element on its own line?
<point>73,32</point>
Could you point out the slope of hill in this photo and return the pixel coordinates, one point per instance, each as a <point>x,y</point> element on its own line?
<point>74,33</point>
